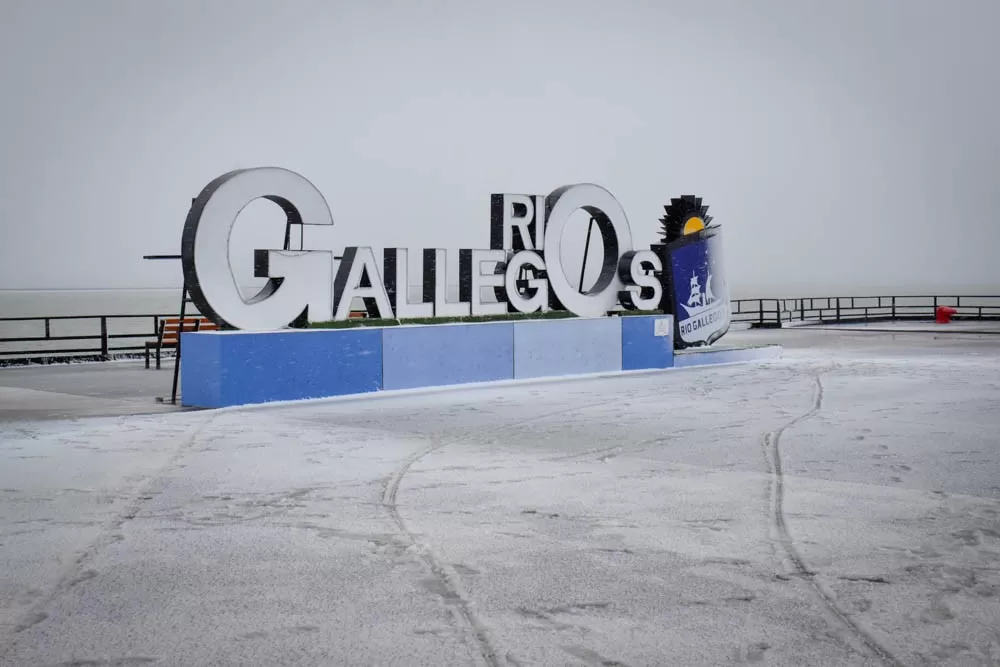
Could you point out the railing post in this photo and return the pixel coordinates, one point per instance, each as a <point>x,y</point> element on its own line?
<point>48,328</point>
<point>893,307</point>
<point>104,337</point>
<point>760,311</point>
<point>838,308</point>
<point>934,312</point>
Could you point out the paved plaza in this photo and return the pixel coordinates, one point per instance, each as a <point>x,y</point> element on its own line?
<point>840,506</point>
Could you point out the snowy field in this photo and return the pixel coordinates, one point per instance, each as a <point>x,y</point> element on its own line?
<point>838,507</point>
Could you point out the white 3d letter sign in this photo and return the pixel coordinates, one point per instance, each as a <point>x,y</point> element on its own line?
<point>521,271</point>
<point>297,280</point>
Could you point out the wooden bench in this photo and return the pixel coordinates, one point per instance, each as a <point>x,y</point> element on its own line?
<point>170,331</point>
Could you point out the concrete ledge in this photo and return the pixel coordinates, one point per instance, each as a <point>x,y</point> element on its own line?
<point>201,381</point>
<point>709,357</point>
<point>446,354</point>
<point>221,369</point>
<point>226,369</point>
<point>647,342</point>
<point>546,348</point>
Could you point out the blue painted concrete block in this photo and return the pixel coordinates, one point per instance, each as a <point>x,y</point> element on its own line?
<point>220,369</point>
<point>443,354</point>
<point>201,370</point>
<point>281,366</point>
<point>545,348</point>
<point>647,342</point>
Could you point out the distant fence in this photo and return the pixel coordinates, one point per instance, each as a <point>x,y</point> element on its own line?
<point>103,337</point>
<point>854,309</point>
<point>75,337</point>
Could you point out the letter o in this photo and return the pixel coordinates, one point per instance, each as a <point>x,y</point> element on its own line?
<point>613,225</point>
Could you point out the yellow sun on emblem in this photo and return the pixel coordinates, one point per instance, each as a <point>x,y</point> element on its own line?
<point>684,216</point>
<point>693,224</point>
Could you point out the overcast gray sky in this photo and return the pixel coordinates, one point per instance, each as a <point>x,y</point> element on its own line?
<point>846,145</point>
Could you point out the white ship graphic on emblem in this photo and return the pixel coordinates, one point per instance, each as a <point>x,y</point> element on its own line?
<point>699,300</point>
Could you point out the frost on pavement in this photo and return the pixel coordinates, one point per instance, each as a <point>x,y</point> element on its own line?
<point>839,507</point>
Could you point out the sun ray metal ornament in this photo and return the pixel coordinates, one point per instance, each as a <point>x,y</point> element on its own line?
<point>684,215</point>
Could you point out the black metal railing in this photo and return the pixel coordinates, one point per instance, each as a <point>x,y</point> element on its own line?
<point>757,312</point>
<point>75,337</point>
<point>103,337</point>
<point>853,309</point>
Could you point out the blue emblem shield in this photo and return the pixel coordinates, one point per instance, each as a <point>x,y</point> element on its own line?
<point>699,289</point>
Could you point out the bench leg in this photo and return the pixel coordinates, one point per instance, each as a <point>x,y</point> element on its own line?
<point>157,358</point>
<point>147,358</point>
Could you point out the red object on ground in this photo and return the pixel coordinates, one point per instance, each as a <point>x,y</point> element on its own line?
<point>944,313</point>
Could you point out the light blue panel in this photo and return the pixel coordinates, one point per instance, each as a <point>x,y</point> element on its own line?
<point>283,366</point>
<point>687,359</point>
<point>201,369</point>
<point>647,342</point>
<point>549,348</point>
<point>438,355</point>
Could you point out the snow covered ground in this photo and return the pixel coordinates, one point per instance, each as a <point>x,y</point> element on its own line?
<point>923,326</point>
<point>838,507</point>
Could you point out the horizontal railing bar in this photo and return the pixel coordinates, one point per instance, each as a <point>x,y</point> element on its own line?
<point>42,339</point>
<point>134,335</point>
<point>92,317</point>
<point>91,350</point>
<point>88,350</point>
<point>80,338</point>
<point>756,312</point>
<point>25,339</point>
<point>736,301</point>
<point>885,296</point>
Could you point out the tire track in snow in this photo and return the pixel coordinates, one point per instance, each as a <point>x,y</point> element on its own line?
<point>75,573</point>
<point>856,636</point>
<point>446,575</point>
